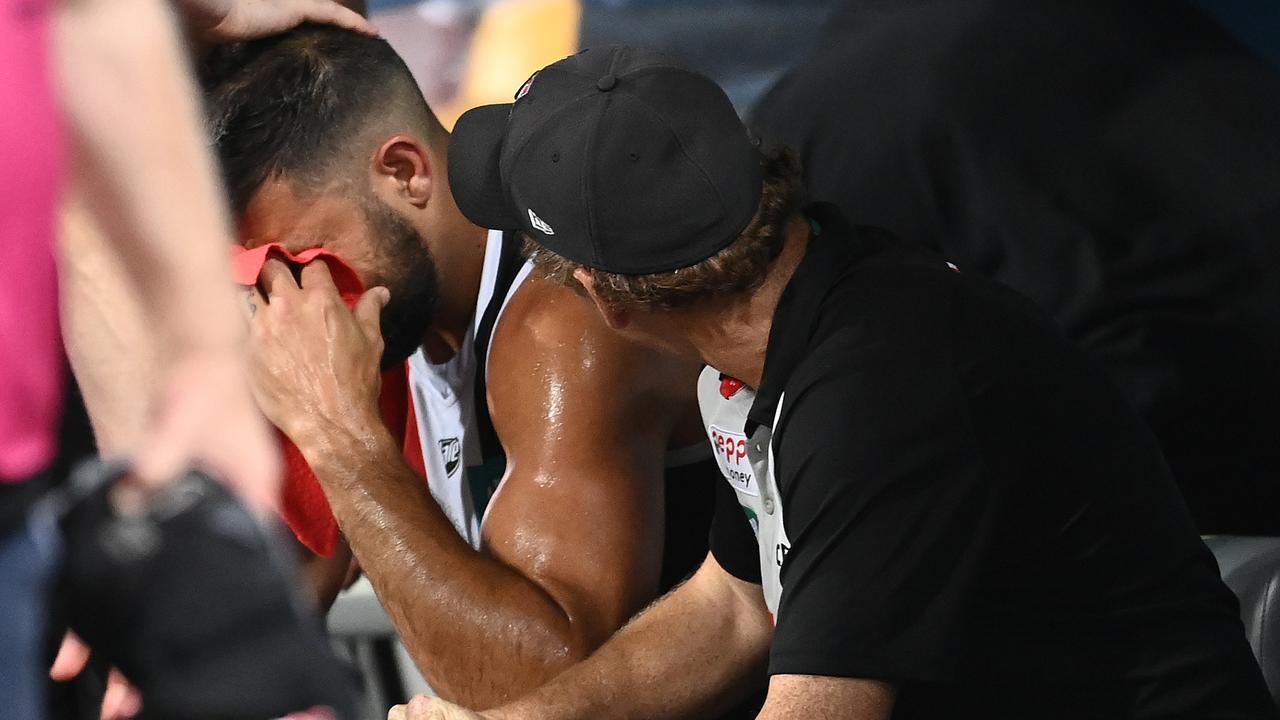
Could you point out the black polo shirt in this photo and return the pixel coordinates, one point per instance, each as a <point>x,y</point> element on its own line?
<point>973,511</point>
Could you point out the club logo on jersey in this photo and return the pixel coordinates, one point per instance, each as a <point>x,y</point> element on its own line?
<point>539,223</point>
<point>731,455</point>
<point>451,453</point>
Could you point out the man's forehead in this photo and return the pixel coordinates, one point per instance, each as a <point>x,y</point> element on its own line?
<point>278,213</point>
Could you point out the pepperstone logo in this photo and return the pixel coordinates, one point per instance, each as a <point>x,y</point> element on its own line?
<point>451,453</point>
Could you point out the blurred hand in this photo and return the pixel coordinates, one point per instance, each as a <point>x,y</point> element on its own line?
<point>218,21</point>
<point>315,364</point>
<point>207,417</point>
<point>423,707</point>
<point>121,700</point>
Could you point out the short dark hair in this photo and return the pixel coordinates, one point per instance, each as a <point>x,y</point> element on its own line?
<point>738,268</point>
<point>298,102</point>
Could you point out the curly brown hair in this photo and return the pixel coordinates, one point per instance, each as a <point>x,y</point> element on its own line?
<point>740,267</point>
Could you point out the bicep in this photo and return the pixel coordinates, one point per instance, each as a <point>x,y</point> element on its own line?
<point>827,698</point>
<point>580,510</point>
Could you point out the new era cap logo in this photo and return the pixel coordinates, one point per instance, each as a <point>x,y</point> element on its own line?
<point>539,223</point>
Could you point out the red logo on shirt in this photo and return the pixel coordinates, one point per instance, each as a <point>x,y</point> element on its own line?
<point>730,386</point>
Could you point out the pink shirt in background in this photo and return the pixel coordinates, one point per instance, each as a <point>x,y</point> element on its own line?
<point>31,363</point>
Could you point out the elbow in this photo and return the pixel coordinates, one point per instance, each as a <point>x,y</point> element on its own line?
<point>545,658</point>
<point>497,669</point>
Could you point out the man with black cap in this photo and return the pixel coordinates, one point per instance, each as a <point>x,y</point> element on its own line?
<point>955,515</point>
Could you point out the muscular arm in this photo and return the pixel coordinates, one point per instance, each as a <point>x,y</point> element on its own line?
<point>573,538</point>
<point>692,653</point>
<point>687,656</point>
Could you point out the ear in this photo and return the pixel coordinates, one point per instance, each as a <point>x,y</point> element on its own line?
<point>616,318</point>
<point>405,161</point>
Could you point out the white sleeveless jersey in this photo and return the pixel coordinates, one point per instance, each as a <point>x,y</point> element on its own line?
<point>444,397</point>
<point>444,403</point>
<point>747,465</point>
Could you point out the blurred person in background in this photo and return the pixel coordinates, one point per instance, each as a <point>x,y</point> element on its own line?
<point>744,45</point>
<point>99,87</point>
<point>601,482</point>
<point>1117,162</point>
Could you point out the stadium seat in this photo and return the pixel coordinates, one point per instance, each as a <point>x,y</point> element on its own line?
<point>1250,566</point>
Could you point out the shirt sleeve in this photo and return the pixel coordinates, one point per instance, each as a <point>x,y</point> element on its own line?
<point>888,507</point>
<point>733,543</point>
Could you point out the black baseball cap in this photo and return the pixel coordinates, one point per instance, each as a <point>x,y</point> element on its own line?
<point>616,158</point>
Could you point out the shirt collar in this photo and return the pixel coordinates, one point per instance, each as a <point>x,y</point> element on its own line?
<point>829,254</point>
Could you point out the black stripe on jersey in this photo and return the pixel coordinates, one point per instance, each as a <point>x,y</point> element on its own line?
<point>509,265</point>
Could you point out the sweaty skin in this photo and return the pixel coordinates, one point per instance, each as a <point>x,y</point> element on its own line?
<point>702,645</point>
<point>572,543</point>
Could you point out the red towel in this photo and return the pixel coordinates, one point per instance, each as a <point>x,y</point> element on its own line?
<point>305,509</point>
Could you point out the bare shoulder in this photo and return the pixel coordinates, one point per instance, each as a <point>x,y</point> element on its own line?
<point>551,345</point>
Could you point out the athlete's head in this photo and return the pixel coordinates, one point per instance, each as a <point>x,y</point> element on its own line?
<point>634,180</point>
<point>325,141</point>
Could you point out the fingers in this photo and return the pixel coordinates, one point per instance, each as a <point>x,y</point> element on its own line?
<point>331,13</point>
<point>425,707</point>
<point>368,312</point>
<point>73,655</point>
<point>316,276</point>
<point>121,701</point>
<point>277,278</point>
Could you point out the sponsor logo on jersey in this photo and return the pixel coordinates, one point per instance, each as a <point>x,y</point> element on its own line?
<point>731,455</point>
<point>451,453</point>
<point>539,223</point>
<point>753,519</point>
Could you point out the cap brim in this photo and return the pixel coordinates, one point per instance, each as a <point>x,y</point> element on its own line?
<point>474,149</point>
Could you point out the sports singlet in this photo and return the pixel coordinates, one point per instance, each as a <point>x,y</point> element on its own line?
<point>463,458</point>
<point>460,453</point>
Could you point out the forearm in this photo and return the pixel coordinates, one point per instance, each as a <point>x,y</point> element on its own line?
<point>479,631</point>
<point>144,168</point>
<point>108,341</point>
<point>693,653</point>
